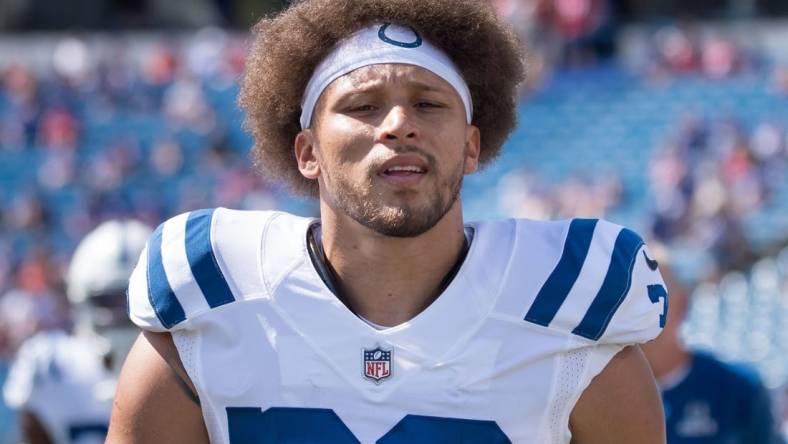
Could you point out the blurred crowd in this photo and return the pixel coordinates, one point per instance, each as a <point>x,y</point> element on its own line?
<point>105,131</point>
<point>566,32</point>
<point>560,32</point>
<point>522,193</point>
<point>713,173</point>
<point>709,178</point>
<point>678,50</point>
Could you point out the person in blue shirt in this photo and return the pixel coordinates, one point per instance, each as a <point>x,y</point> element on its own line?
<point>705,399</point>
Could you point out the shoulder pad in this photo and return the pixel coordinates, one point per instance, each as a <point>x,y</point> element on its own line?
<point>605,287</point>
<point>183,271</point>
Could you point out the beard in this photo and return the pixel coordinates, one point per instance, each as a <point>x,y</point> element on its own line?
<point>397,217</point>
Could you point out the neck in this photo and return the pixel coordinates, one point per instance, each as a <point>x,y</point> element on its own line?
<point>389,280</point>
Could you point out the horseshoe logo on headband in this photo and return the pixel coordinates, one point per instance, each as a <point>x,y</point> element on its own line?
<point>385,38</point>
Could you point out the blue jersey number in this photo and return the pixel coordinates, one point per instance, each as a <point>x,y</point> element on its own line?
<point>250,425</point>
<point>655,292</point>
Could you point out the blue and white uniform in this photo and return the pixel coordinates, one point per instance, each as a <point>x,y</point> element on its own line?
<point>62,380</point>
<point>536,310</point>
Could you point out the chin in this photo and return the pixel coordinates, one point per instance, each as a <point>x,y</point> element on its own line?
<point>405,230</point>
<point>404,221</point>
<point>402,212</point>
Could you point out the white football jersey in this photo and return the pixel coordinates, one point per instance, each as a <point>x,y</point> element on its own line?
<point>536,310</point>
<point>62,380</point>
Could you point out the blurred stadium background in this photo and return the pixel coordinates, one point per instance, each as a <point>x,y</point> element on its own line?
<point>667,116</point>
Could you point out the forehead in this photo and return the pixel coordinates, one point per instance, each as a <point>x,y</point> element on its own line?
<point>378,76</point>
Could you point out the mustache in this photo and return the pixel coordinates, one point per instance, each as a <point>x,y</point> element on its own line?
<point>411,149</point>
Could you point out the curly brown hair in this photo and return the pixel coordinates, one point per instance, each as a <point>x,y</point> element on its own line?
<point>287,48</point>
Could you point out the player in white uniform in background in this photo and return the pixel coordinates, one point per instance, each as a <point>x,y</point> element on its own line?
<point>389,320</point>
<point>61,383</point>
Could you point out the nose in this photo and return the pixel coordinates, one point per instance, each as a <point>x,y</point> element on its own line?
<point>396,125</point>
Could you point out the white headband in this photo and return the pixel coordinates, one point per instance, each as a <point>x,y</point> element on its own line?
<point>382,44</point>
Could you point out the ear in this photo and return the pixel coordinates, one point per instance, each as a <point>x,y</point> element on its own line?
<point>306,154</point>
<point>472,149</point>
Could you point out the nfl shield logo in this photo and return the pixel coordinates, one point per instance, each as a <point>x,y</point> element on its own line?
<point>377,364</point>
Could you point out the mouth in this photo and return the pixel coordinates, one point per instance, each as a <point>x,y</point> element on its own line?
<point>404,169</point>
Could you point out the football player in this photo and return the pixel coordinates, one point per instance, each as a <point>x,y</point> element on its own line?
<point>61,383</point>
<point>389,319</point>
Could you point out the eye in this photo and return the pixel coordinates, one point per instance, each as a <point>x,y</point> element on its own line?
<point>428,105</point>
<point>362,108</point>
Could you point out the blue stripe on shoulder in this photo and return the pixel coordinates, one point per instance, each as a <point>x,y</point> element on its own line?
<point>614,287</point>
<point>162,298</point>
<point>557,287</point>
<point>202,259</point>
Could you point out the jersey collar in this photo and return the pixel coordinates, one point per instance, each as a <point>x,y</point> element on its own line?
<point>429,338</point>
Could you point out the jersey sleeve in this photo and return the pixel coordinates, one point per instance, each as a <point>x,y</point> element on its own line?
<point>604,286</point>
<point>18,388</point>
<point>178,276</point>
<point>32,366</point>
<point>644,305</point>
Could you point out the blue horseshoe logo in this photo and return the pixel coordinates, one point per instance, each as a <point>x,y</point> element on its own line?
<point>385,38</point>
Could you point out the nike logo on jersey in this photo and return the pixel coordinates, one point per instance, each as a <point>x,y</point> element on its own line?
<point>652,264</point>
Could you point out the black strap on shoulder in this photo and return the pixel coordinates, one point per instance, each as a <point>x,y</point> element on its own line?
<point>329,277</point>
<point>318,257</point>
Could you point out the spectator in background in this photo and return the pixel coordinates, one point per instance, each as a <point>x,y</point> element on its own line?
<point>587,29</point>
<point>679,49</point>
<point>675,51</point>
<point>705,400</point>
